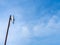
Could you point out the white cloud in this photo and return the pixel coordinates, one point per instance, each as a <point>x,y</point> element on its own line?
<point>54,22</point>
<point>47,29</point>
<point>20,31</point>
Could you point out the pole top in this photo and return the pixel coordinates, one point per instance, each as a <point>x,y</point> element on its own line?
<point>12,18</point>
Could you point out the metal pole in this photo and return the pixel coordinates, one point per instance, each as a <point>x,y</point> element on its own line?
<point>7,30</point>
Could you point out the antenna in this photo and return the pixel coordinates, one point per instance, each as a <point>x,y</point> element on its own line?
<point>11,18</point>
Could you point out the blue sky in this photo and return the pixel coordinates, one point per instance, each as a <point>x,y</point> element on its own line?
<point>37,22</point>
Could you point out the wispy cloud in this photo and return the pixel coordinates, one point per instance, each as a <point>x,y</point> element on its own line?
<point>36,22</point>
